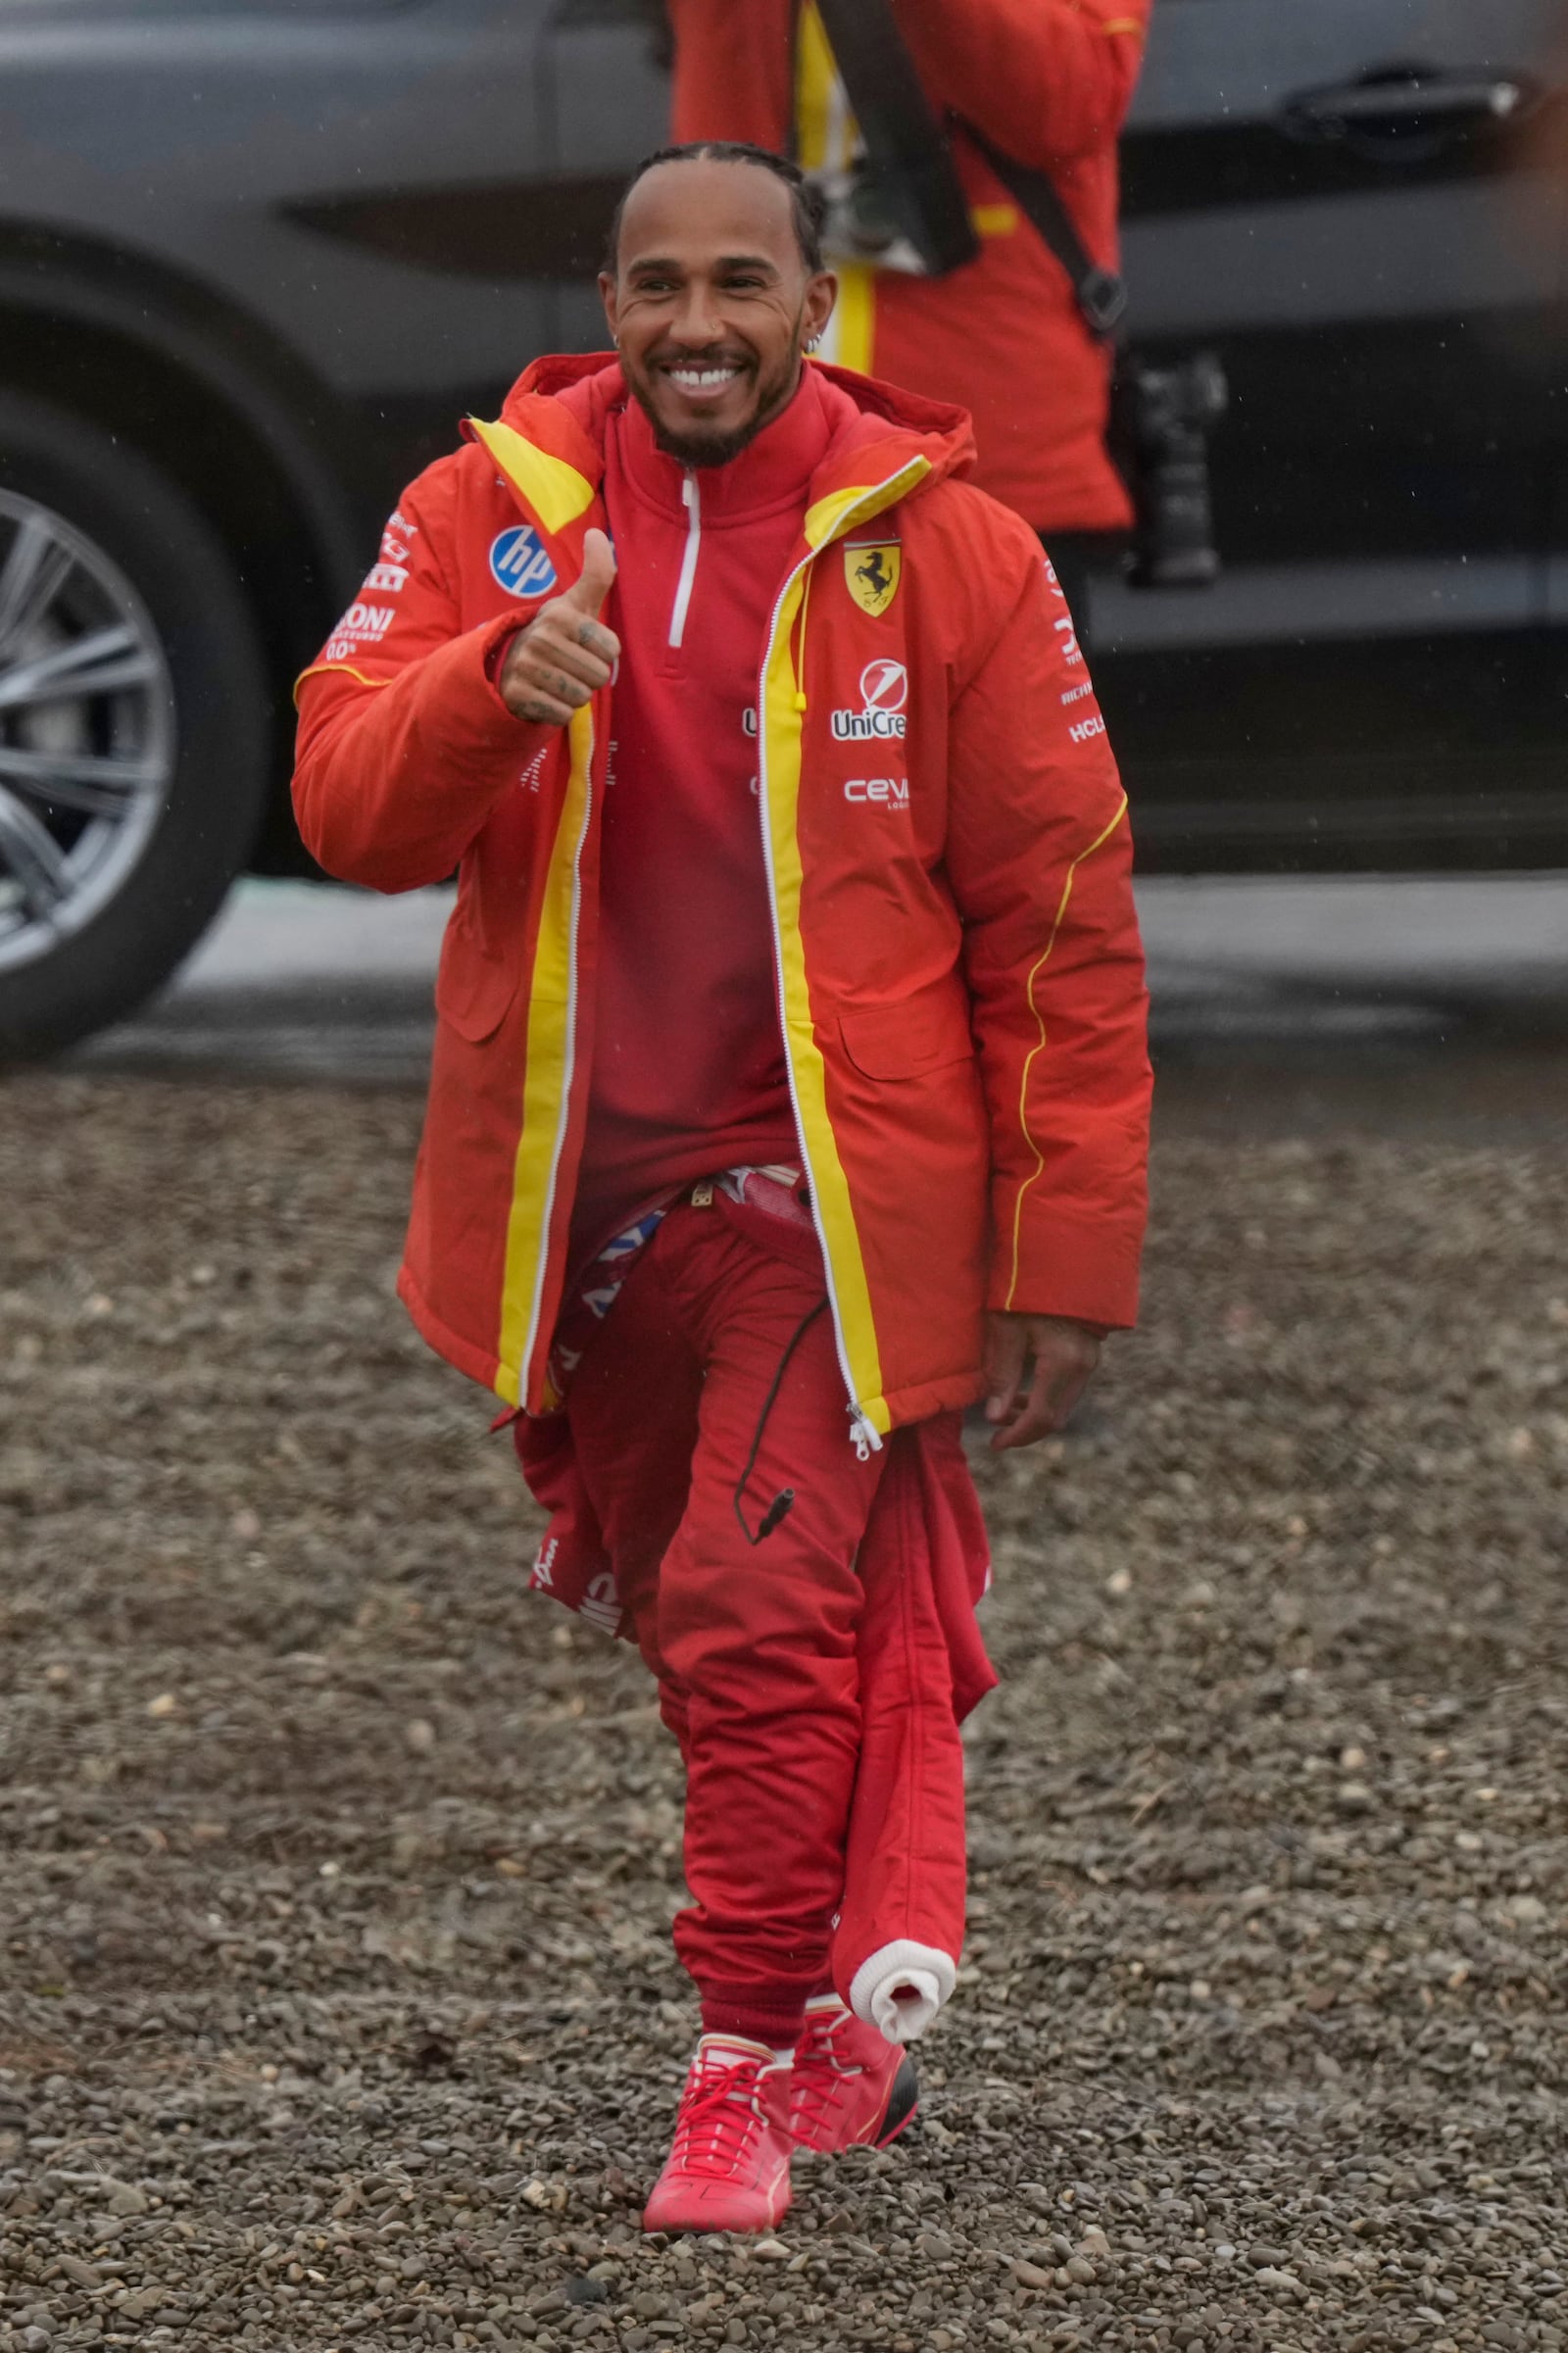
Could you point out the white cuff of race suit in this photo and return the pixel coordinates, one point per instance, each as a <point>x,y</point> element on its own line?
<point>902,1987</point>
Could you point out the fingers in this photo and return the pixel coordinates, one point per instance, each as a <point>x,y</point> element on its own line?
<point>598,641</point>
<point>1065,1355</point>
<point>543,682</point>
<point>1051,1396</point>
<point>580,652</point>
<point>586,601</point>
<point>1006,1346</point>
<point>565,655</point>
<point>560,659</point>
<point>596,578</point>
<point>539,709</point>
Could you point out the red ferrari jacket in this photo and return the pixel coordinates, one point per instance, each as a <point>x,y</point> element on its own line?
<point>959,978</point>
<point>1048,82</point>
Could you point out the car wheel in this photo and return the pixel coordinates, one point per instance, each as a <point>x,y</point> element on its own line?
<point>134,727</point>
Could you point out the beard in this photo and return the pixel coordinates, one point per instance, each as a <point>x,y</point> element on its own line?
<point>773,396</point>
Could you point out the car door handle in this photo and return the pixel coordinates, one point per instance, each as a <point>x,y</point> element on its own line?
<point>1405,112</point>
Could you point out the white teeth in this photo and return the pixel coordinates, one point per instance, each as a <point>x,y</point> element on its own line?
<point>701,379</point>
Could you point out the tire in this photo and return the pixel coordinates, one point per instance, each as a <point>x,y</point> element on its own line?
<point>155,735</point>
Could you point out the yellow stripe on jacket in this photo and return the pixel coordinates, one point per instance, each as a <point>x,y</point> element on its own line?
<point>547,1079</point>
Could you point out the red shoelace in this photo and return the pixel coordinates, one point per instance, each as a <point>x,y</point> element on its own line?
<point>818,2064</point>
<point>720,2115</point>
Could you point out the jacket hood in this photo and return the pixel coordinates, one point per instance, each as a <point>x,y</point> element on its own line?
<point>559,404</point>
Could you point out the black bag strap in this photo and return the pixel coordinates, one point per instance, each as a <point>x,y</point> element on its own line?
<point>906,142</point>
<point>1102,294</point>
<point>908,148</point>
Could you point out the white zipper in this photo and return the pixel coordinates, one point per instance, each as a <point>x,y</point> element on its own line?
<point>857,1419</point>
<point>691,498</point>
<point>864,1435</point>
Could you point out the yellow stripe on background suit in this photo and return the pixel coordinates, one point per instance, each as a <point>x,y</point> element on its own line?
<point>828,140</point>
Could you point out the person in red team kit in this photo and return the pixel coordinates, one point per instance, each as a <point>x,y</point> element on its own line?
<point>790,1089</point>
<point>1047,84</point>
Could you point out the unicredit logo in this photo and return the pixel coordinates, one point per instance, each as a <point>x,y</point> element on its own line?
<point>884,691</point>
<point>884,686</point>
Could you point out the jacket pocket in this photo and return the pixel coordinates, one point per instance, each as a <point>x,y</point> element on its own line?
<point>918,1034</point>
<point>472,990</point>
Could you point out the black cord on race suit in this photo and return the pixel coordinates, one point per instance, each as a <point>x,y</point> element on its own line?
<point>778,1509</point>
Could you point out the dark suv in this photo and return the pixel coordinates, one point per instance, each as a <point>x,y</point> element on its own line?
<point>257,257</point>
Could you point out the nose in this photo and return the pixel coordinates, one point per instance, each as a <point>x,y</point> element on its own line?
<point>696,322</point>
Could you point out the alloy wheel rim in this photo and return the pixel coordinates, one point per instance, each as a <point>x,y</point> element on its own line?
<point>88,730</point>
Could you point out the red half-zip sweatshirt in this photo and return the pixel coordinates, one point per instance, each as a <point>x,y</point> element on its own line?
<point>688,1071</point>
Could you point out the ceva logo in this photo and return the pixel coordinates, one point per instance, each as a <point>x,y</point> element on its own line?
<point>521,563</point>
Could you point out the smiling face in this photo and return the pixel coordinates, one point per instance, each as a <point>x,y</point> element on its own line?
<point>712,304</point>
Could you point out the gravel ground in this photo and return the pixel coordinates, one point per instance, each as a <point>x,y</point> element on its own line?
<point>336,2006</point>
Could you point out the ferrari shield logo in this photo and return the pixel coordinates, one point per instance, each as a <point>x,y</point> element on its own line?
<point>873,568</point>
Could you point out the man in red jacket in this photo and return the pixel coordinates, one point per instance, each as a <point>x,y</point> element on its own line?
<point>1047,82</point>
<point>789,1089</point>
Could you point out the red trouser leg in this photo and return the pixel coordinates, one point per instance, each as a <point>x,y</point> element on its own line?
<point>754,1645</point>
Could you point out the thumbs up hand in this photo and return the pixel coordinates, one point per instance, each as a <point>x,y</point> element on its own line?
<point>566,655</point>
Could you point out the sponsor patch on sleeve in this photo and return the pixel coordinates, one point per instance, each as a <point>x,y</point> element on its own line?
<point>520,562</point>
<point>361,627</point>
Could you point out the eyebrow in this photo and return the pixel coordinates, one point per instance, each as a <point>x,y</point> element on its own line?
<point>726,260</point>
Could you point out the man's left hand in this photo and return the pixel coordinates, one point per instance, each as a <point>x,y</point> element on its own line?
<point>1027,1402</point>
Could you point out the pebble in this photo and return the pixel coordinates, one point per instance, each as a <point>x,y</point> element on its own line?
<point>389,2093</point>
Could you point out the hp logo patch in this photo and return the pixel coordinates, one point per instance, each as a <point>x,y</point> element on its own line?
<point>519,563</point>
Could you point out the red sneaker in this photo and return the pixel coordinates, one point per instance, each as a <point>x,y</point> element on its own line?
<point>850,2087</point>
<point>729,2168</point>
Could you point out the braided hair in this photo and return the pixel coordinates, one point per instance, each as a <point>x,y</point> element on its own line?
<point>806,200</point>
